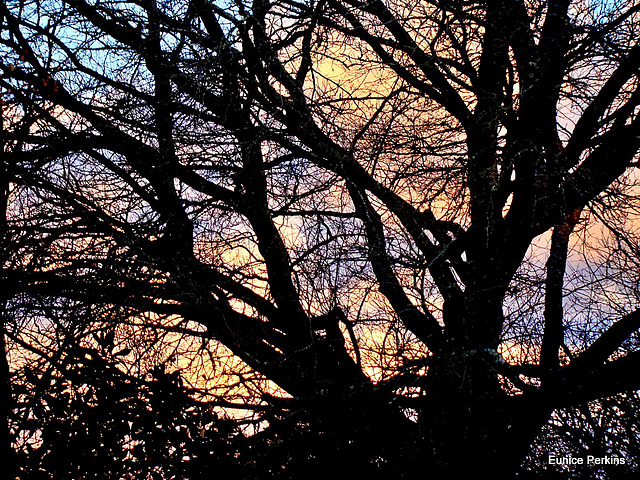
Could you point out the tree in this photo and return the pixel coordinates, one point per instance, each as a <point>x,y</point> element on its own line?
<point>413,222</point>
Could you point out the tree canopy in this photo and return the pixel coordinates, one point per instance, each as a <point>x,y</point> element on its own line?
<point>271,237</point>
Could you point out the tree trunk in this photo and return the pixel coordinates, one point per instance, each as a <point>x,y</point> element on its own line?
<point>472,425</point>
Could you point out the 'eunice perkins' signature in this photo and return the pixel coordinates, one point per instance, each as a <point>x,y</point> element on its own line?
<point>588,460</point>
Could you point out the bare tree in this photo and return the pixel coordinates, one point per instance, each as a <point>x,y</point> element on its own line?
<point>414,223</point>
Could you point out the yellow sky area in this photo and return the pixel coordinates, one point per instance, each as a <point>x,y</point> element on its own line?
<point>518,352</point>
<point>205,364</point>
<point>355,88</point>
<point>352,65</point>
<point>383,350</point>
<point>526,352</point>
<point>240,255</point>
<point>216,373</point>
<point>214,370</point>
<point>350,72</point>
<point>11,114</point>
<point>353,83</point>
<point>19,357</point>
<point>378,345</point>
